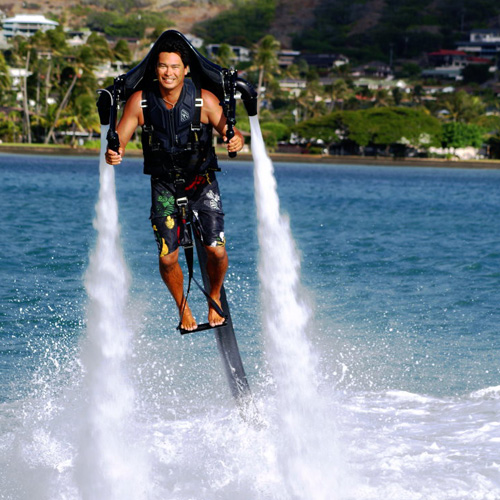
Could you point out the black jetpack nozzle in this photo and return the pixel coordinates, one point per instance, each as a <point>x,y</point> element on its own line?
<point>233,83</point>
<point>104,104</point>
<point>248,96</point>
<point>107,106</point>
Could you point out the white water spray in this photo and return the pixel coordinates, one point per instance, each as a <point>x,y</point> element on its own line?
<point>108,465</point>
<point>307,454</point>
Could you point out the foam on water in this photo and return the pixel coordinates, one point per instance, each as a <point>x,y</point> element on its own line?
<point>406,445</point>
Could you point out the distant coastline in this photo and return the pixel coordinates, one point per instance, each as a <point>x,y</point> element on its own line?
<point>41,149</point>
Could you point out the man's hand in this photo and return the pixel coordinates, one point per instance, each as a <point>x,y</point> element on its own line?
<point>236,143</point>
<point>112,157</point>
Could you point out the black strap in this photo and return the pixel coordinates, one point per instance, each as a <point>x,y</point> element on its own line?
<point>145,109</point>
<point>198,104</point>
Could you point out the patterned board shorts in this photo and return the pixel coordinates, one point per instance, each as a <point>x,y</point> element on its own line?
<point>203,202</point>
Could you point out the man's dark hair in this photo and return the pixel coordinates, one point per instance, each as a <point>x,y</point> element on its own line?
<point>176,46</point>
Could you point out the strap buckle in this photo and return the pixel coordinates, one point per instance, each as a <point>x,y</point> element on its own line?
<point>181,202</point>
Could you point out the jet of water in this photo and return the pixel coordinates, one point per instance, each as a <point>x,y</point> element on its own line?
<point>108,466</point>
<point>307,444</point>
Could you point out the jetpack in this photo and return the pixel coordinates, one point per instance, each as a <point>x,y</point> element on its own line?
<point>224,84</point>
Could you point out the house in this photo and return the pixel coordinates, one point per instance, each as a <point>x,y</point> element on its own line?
<point>485,35</point>
<point>109,69</point>
<point>374,69</point>
<point>447,58</point>
<point>449,64</point>
<point>26,25</point>
<point>287,57</point>
<point>242,54</point>
<point>77,38</point>
<point>483,43</point>
<point>294,86</point>
<point>325,61</point>
<point>381,84</point>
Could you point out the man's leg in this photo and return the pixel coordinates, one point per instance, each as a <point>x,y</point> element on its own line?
<point>172,276</point>
<point>217,263</point>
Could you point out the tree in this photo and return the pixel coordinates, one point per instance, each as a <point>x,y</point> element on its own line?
<point>311,102</point>
<point>244,23</point>
<point>95,50</point>
<point>265,60</point>
<point>5,80</point>
<point>62,105</point>
<point>476,73</point>
<point>376,126</point>
<point>122,52</point>
<point>463,107</point>
<point>339,91</point>
<point>382,97</point>
<point>10,128</point>
<point>225,56</point>
<point>462,135</point>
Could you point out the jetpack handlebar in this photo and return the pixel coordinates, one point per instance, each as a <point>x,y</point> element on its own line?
<point>248,95</point>
<point>107,106</point>
<point>229,104</point>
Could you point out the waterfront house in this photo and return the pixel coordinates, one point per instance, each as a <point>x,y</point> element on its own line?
<point>26,25</point>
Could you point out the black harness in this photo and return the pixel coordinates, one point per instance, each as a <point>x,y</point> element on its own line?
<point>175,141</point>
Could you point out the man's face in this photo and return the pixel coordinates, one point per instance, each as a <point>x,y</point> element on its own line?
<point>170,70</point>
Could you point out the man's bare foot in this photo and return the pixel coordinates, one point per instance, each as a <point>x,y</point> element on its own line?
<point>188,322</point>
<point>214,318</point>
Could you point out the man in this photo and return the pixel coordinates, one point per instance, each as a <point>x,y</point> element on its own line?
<point>173,141</point>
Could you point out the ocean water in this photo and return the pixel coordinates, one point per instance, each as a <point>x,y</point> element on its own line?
<point>398,272</point>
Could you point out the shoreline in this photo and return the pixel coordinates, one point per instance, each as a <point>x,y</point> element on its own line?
<point>25,149</point>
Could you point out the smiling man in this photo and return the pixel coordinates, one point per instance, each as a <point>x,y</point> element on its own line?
<point>177,120</point>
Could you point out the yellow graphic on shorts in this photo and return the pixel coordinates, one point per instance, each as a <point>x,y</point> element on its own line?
<point>164,248</point>
<point>169,222</point>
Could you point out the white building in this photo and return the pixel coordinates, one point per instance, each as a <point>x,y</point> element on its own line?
<point>482,43</point>
<point>26,25</point>
<point>485,35</point>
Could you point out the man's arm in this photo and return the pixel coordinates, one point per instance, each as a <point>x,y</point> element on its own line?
<point>132,117</point>
<point>212,113</point>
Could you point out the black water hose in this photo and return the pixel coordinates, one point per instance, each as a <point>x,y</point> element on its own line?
<point>248,96</point>
<point>104,104</point>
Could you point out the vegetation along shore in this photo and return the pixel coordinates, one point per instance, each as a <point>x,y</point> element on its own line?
<point>65,150</point>
<point>343,80</point>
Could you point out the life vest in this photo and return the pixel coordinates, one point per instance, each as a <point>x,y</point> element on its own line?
<point>174,140</point>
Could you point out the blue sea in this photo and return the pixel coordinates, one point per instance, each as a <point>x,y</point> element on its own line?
<point>400,267</point>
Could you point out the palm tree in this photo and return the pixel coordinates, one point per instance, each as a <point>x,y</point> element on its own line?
<point>122,51</point>
<point>25,99</point>
<point>5,80</point>
<point>265,61</point>
<point>338,92</point>
<point>311,102</point>
<point>463,107</point>
<point>225,56</point>
<point>82,71</point>
<point>62,105</point>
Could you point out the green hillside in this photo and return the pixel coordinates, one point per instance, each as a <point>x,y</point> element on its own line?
<point>370,29</point>
<point>361,29</point>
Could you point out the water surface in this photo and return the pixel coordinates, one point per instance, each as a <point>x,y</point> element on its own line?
<point>401,267</point>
